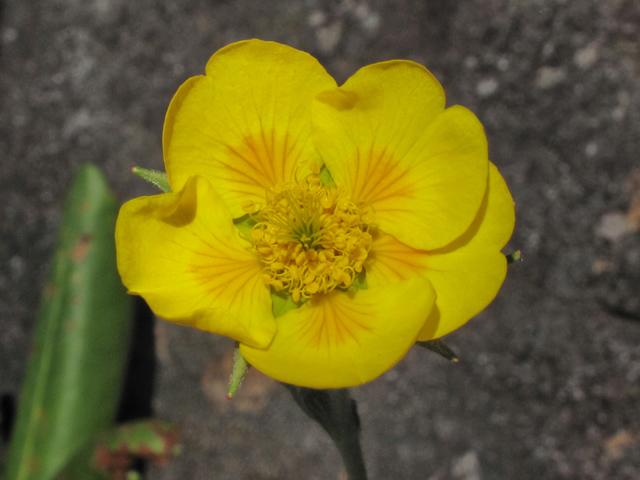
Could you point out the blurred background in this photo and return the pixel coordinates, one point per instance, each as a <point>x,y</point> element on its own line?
<point>548,386</point>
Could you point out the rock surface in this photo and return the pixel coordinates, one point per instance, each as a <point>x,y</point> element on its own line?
<point>549,379</point>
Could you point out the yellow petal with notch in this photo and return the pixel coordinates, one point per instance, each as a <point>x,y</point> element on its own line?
<point>466,274</point>
<point>344,339</point>
<point>246,125</point>
<point>181,253</point>
<point>386,137</point>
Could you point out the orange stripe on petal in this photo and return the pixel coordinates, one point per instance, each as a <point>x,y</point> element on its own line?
<point>182,253</point>
<point>385,136</point>
<point>344,339</point>
<point>391,261</point>
<point>466,274</point>
<point>246,125</point>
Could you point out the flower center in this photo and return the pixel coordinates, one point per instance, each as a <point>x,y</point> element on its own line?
<point>311,238</point>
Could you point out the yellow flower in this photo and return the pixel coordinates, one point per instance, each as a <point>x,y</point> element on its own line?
<point>414,203</point>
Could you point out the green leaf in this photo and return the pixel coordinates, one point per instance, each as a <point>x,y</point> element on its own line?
<point>110,454</point>
<point>159,179</point>
<point>337,414</point>
<point>71,389</point>
<point>440,348</point>
<point>149,438</point>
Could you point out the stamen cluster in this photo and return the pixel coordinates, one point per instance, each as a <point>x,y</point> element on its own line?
<point>311,238</point>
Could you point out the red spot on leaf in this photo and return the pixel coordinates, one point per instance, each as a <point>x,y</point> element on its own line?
<point>49,291</point>
<point>79,251</point>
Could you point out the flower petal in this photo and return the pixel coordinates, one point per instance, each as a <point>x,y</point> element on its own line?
<point>245,126</point>
<point>344,339</point>
<point>466,274</point>
<point>386,137</point>
<point>392,261</point>
<point>182,253</point>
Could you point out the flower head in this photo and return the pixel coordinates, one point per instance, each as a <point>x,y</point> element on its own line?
<point>369,210</point>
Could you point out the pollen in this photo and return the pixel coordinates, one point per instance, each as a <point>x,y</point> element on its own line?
<point>311,238</point>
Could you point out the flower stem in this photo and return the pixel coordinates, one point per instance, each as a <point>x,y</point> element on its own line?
<point>351,453</point>
<point>337,413</point>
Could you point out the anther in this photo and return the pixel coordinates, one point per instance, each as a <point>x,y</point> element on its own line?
<point>311,238</point>
<point>315,168</point>
<point>248,206</point>
<point>342,203</point>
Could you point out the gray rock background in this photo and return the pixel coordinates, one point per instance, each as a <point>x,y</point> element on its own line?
<point>549,383</point>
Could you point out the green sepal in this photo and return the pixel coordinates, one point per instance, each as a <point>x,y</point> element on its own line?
<point>325,176</point>
<point>282,302</point>
<point>239,370</point>
<point>514,257</point>
<point>360,281</point>
<point>440,348</point>
<point>245,224</point>
<point>159,179</point>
